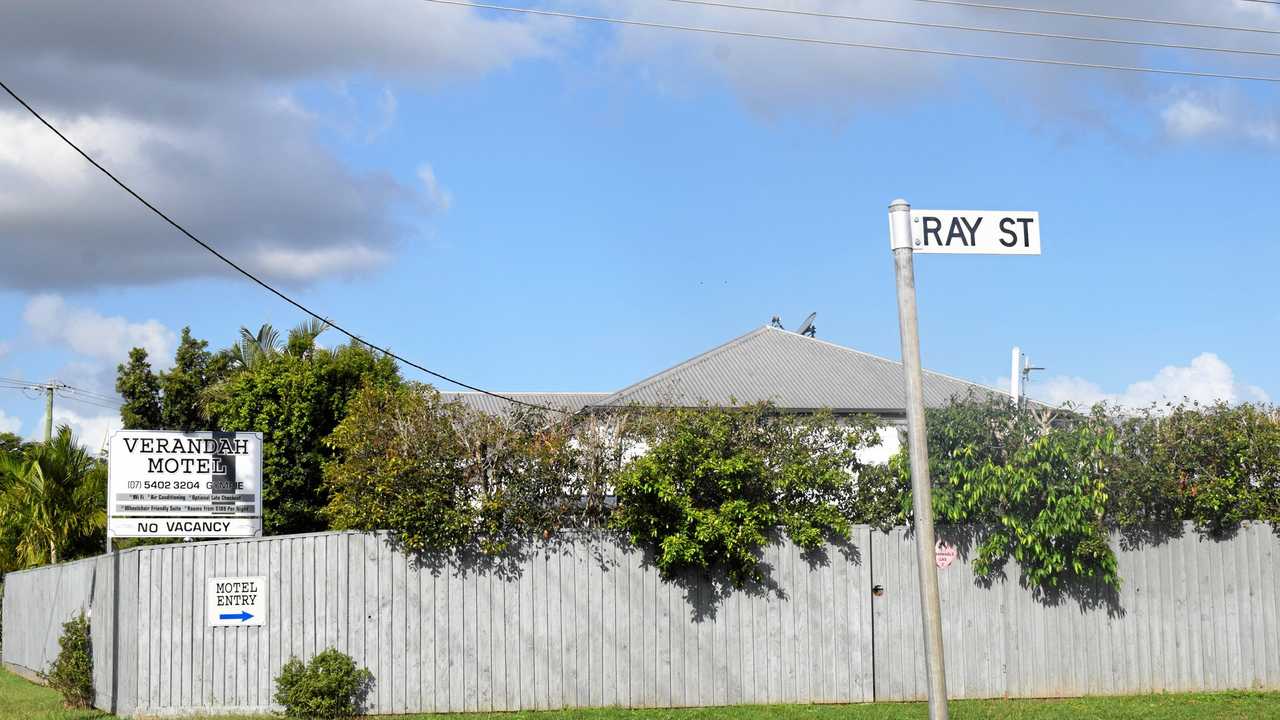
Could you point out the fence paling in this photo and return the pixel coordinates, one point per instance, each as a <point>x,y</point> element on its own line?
<point>587,622</point>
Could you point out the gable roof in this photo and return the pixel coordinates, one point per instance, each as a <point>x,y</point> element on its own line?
<point>793,371</point>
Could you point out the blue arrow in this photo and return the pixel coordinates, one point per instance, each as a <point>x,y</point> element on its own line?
<point>241,616</point>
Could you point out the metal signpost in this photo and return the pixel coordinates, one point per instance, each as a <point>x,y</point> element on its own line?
<point>952,232</point>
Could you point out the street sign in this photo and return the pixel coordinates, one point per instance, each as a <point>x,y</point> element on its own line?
<point>184,484</point>
<point>945,554</point>
<point>975,232</point>
<point>962,232</point>
<point>236,601</point>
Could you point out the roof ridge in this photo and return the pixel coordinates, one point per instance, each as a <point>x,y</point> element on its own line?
<point>691,362</point>
<point>895,362</point>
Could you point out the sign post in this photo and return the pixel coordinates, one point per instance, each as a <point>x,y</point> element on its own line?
<point>952,232</point>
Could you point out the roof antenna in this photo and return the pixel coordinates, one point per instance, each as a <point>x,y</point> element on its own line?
<point>1022,369</point>
<point>807,328</point>
<point>776,322</point>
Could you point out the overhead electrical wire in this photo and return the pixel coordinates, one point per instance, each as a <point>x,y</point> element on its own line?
<point>850,44</point>
<point>266,286</point>
<point>1098,16</point>
<point>980,29</point>
<point>63,390</point>
<point>84,396</point>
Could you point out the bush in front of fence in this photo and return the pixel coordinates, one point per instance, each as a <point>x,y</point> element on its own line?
<point>330,687</point>
<point>72,671</point>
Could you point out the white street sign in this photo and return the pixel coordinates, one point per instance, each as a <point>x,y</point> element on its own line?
<point>178,527</point>
<point>975,232</point>
<point>184,484</point>
<point>236,601</point>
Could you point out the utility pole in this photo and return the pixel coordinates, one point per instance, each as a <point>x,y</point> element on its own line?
<point>921,486</point>
<point>48,412</point>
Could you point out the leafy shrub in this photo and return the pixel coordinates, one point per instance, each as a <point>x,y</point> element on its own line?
<point>1215,465</point>
<point>445,478</point>
<point>330,687</point>
<point>1035,486</point>
<point>72,671</point>
<point>715,482</point>
<point>1047,488</point>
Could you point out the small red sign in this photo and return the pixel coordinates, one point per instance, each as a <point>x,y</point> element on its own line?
<point>945,554</point>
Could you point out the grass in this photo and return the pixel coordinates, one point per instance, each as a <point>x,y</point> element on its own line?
<point>21,700</point>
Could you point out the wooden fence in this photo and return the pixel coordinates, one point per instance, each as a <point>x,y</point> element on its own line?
<point>588,623</point>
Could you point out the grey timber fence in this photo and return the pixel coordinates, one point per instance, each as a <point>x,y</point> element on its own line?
<point>588,622</point>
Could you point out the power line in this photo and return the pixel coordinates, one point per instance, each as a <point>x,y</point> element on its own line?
<point>1096,16</point>
<point>85,396</point>
<point>974,28</point>
<point>89,393</point>
<point>63,389</point>
<point>253,277</point>
<point>869,46</point>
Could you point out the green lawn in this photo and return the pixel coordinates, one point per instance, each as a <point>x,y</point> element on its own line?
<point>20,699</point>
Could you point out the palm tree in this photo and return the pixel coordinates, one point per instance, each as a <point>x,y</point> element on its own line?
<point>302,338</point>
<point>52,501</point>
<point>255,347</point>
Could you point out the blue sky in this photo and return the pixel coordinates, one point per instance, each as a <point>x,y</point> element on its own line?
<point>535,205</point>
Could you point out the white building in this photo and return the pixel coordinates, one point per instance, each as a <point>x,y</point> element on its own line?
<point>795,372</point>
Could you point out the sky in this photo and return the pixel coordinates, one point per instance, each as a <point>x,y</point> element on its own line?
<point>534,203</point>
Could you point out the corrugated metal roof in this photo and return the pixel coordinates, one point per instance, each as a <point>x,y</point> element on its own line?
<point>794,372</point>
<point>569,401</point>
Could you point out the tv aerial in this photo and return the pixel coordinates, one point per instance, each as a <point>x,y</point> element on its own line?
<point>807,328</point>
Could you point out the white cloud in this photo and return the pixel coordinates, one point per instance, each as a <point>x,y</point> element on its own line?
<point>388,106</point>
<point>89,333</point>
<point>438,197</point>
<point>91,431</point>
<point>782,78</point>
<point>1222,115</point>
<point>5,348</point>
<point>202,121</point>
<point>305,263</point>
<point>10,424</point>
<point>1206,379</point>
<point>1188,118</point>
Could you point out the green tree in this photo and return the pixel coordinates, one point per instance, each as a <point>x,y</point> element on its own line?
<point>10,443</point>
<point>447,478</point>
<point>140,388</point>
<point>51,503</point>
<point>1215,465</point>
<point>295,402</point>
<point>716,481</point>
<point>1032,484</point>
<point>183,386</point>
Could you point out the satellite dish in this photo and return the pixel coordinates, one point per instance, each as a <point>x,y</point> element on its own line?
<point>807,328</point>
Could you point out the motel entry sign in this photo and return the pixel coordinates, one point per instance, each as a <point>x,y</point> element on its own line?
<point>236,601</point>
<point>975,232</point>
<point>184,484</point>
